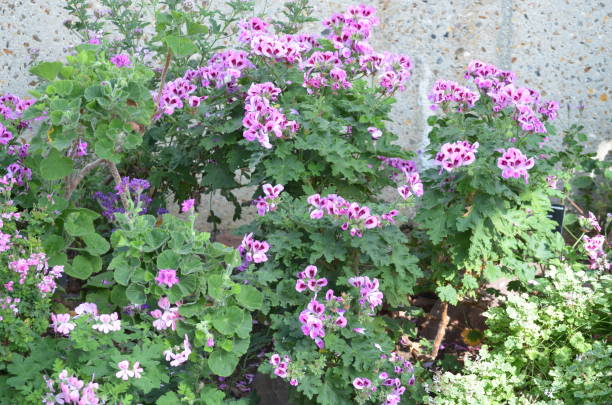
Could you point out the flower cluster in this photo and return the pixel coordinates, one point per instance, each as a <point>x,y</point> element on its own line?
<point>166,277</point>
<point>71,391</point>
<point>318,316</point>
<point>414,186</point>
<point>261,118</point>
<point>312,319</point>
<point>169,316</point>
<point>368,289</point>
<point>400,166</point>
<point>38,261</point>
<point>514,164</point>
<point>457,154</point>
<point>178,358</point>
<point>61,324</point>
<point>133,188</point>
<point>125,372</point>
<point>121,60</point>
<point>324,69</point>
<point>499,86</point>
<point>268,202</point>
<point>253,250</point>
<point>9,303</point>
<point>356,218</point>
<point>594,246</point>
<point>222,70</point>
<point>446,92</point>
<point>308,281</point>
<point>388,386</point>
<point>12,108</point>
<point>281,366</point>
<point>107,323</point>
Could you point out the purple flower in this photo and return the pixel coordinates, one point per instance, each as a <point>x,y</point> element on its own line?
<point>361,383</point>
<point>121,60</point>
<point>166,277</point>
<point>187,205</point>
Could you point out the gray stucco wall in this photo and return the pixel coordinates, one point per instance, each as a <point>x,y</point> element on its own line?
<point>560,47</point>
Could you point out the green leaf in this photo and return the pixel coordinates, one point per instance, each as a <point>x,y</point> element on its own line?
<point>55,166</point>
<point>190,264</point>
<point>492,273</point>
<point>63,87</point>
<point>222,363</point>
<point>212,396</point>
<point>228,319</point>
<point>447,294</point>
<point>180,46</point>
<point>82,267</point>
<point>195,28</point>
<point>168,260</point>
<point>250,297</point>
<point>80,223</point>
<point>118,296</point>
<point>102,280</point>
<point>96,244</point>
<point>47,70</point>
<point>169,398</point>
<point>135,293</point>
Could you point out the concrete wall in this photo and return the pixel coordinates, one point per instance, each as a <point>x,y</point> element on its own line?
<point>560,47</point>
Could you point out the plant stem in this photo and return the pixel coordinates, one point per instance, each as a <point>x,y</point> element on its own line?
<point>441,331</point>
<point>72,183</point>
<point>115,172</point>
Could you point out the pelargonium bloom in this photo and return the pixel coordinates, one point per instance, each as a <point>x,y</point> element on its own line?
<point>124,372</point>
<point>307,280</point>
<point>86,308</point>
<point>515,164</point>
<point>457,154</point>
<point>253,250</point>
<point>121,60</point>
<point>168,318</point>
<point>108,323</point>
<point>176,359</point>
<point>166,277</point>
<point>361,383</point>
<point>61,323</point>
<point>375,132</point>
<point>368,289</point>
<point>268,202</point>
<point>187,205</point>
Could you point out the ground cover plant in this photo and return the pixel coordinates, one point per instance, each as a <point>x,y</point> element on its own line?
<point>107,298</point>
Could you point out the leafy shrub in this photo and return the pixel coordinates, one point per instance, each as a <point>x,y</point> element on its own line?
<point>488,192</point>
<point>545,346</point>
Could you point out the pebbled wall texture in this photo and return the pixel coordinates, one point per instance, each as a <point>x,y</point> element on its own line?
<point>559,47</point>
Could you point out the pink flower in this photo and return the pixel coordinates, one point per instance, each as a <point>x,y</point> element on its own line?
<point>86,308</point>
<point>361,383</point>
<point>454,155</point>
<point>514,164</point>
<point>166,277</point>
<point>187,205</point>
<point>137,370</point>
<point>253,250</point>
<point>375,132</point>
<point>61,323</point>
<point>167,318</point>
<point>108,323</point>
<point>176,359</point>
<point>124,372</point>
<point>121,60</point>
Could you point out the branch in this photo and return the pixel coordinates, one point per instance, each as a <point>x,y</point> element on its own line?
<point>115,172</point>
<point>162,81</point>
<point>441,331</point>
<point>74,182</point>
